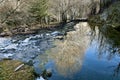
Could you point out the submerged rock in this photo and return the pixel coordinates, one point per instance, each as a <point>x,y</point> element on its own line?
<point>40,78</point>
<point>45,75</point>
<point>7,71</point>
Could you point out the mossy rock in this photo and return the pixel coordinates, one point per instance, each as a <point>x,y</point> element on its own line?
<point>7,72</point>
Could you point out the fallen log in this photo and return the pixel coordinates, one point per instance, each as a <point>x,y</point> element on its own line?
<point>19,67</point>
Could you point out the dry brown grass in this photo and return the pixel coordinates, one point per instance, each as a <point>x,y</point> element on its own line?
<point>7,72</point>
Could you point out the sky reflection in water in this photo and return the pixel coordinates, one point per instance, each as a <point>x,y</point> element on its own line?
<point>74,60</point>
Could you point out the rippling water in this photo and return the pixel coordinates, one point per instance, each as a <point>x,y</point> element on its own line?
<point>85,54</point>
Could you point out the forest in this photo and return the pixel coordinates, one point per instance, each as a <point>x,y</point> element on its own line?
<point>21,16</point>
<point>59,39</point>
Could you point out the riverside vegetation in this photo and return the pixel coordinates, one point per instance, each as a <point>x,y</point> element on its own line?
<point>110,16</point>
<point>7,71</point>
<point>27,17</point>
<point>24,17</point>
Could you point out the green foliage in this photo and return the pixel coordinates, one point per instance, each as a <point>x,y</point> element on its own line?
<point>39,9</point>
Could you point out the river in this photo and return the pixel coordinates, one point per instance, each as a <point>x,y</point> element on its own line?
<point>86,53</point>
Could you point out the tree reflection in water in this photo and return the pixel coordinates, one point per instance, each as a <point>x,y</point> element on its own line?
<point>68,54</point>
<point>108,40</point>
<point>117,70</point>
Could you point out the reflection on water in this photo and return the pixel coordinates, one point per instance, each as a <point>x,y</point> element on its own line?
<point>107,38</point>
<point>108,45</point>
<point>87,53</point>
<point>68,54</point>
<point>117,70</point>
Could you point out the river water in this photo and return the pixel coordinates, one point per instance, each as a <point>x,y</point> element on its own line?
<point>87,53</point>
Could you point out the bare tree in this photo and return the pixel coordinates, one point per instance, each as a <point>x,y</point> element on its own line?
<point>64,10</point>
<point>60,8</point>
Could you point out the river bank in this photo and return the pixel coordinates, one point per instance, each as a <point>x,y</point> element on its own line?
<point>25,29</point>
<point>110,16</point>
<point>34,29</point>
<point>15,70</point>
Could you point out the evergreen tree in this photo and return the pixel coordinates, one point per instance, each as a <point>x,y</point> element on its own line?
<point>39,10</point>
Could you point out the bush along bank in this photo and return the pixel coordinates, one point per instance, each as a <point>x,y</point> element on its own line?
<point>110,16</point>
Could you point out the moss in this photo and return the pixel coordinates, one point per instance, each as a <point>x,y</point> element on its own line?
<point>7,72</point>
